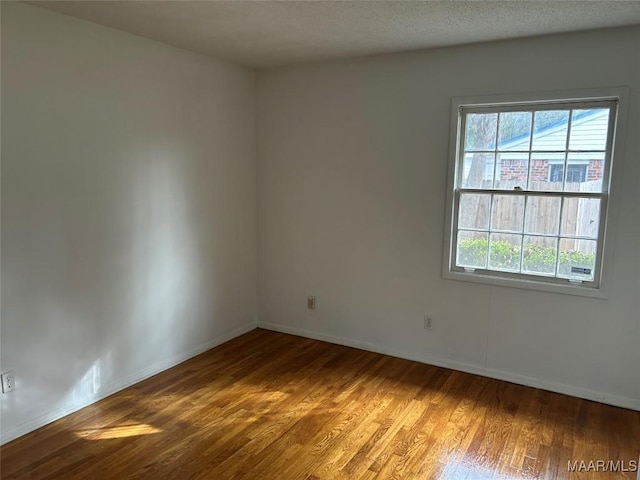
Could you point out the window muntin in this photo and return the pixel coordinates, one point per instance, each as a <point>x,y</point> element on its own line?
<point>531,190</point>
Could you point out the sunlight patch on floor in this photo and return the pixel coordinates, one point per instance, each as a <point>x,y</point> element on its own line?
<point>117,432</point>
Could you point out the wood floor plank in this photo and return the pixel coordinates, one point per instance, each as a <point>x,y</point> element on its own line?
<point>272,406</point>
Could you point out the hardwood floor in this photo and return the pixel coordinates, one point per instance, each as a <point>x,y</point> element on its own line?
<point>273,406</point>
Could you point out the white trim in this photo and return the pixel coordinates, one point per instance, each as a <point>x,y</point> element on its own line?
<point>566,287</point>
<point>573,162</point>
<point>571,390</point>
<point>580,97</point>
<point>120,384</point>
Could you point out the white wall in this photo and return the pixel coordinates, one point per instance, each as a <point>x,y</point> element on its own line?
<point>128,210</point>
<point>352,168</point>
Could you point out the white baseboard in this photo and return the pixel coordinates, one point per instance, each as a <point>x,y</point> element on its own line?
<point>571,390</point>
<point>119,384</point>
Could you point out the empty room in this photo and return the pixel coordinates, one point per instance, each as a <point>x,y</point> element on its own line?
<point>320,240</point>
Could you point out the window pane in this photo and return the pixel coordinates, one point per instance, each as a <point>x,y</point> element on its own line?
<point>474,211</point>
<point>507,213</point>
<point>589,129</point>
<point>504,252</point>
<point>546,171</point>
<point>542,215</point>
<point>481,131</point>
<point>539,255</point>
<point>577,259</point>
<point>472,249</point>
<point>477,171</point>
<point>550,130</point>
<point>515,131</point>
<point>584,172</point>
<point>512,171</point>
<point>580,217</point>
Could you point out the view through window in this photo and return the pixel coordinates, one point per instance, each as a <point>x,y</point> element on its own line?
<point>531,190</point>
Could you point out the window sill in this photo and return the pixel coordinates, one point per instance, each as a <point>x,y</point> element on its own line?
<point>526,284</point>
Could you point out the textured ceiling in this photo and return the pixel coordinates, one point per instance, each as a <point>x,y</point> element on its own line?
<point>272,33</point>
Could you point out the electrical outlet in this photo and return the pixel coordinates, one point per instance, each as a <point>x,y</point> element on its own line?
<point>311,303</point>
<point>428,322</point>
<point>8,381</point>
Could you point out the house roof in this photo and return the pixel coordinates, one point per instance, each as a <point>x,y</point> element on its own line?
<point>588,132</point>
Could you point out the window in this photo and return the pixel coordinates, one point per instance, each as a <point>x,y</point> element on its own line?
<point>529,191</point>
<point>575,173</point>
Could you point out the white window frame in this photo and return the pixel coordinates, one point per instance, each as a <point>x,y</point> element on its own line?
<point>578,98</point>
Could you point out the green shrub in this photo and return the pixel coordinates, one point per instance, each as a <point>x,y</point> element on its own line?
<point>538,258</point>
<point>472,252</point>
<point>506,255</point>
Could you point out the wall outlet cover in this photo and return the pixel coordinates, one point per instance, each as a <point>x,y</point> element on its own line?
<point>8,381</point>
